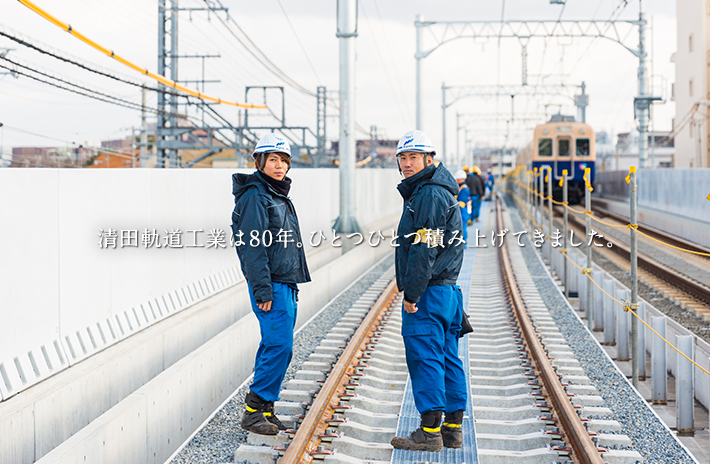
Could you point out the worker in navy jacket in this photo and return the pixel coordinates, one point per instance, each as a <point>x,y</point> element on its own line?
<point>427,263</point>
<point>272,259</point>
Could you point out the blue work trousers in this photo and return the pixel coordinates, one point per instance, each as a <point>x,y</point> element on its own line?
<point>431,342</point>
<point>276,346</point>
<point>475,206</point>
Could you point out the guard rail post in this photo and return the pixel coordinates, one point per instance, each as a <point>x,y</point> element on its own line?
<point>685,403</point>
<point>549,194</point>
<point>581,287</point>
<point>588,207</point>
<point>609,312</point>
<point>641,341</point>
<point>634,278</point>
<point>565,198</point>
<point>533,198</point>
<point>598,277</point>
<point>541,192</point>
<point>659,372</point>
<point>622,327</point>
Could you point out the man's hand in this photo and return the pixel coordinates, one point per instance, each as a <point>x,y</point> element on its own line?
<point>411,308</point>
<point>266,307</point>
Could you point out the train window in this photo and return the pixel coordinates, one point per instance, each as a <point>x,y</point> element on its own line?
<point>563,147</point>
<point>544,147</point>
<point>582,147</point>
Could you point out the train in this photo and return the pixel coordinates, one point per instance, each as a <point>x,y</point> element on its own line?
<point>562,143</point>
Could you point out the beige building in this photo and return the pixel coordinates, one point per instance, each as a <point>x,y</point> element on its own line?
<point>692,65</point>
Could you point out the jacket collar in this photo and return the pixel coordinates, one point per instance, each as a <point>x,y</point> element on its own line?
<point>409,185</point>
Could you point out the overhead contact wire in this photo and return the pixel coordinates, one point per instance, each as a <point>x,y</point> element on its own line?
<point>162,79</point>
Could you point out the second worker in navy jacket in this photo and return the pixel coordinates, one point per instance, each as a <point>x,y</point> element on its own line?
<point>427,263</point>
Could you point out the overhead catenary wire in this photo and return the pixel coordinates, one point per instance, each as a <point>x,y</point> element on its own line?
<point>129,105</point>
<point>315,73</point>
<point>162,79</point>
<point>257,53</point>
<point>92,93</point>
<point>382,62</point>
<point>33,46</point>
<point>124,102</point>
<point>388,47</point>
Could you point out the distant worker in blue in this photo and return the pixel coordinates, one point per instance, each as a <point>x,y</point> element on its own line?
<point>263,209</point>
<point>427,264</point>
<point>478,190</point>
<point>464,198</point>
<point>490,182</point>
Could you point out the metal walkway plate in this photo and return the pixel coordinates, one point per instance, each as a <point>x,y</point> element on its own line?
<point>409,416</point>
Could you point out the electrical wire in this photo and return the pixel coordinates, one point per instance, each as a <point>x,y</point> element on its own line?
<point>392,60</point>
<point>113,99</point>
<point>162,79</point>
<point>26,43</point>
<point>70,89</point>
<point>382,62</point>
<point>256,52</point>
<point>299,42</point>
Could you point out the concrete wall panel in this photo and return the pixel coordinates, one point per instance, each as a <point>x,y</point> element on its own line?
<point>56,282</point>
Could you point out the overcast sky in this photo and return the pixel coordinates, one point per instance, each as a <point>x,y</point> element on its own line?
<point>299,38</point>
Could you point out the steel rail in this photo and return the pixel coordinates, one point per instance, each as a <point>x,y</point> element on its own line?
<point>307,438</point>
<point>672,276</point>
<point>659,234</point>
<point>583,448</point>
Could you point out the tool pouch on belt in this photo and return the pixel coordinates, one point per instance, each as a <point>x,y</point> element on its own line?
<point>465,325</point>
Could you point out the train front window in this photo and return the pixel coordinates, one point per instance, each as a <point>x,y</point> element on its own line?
<point>544,147</point>
<point>563,148</point>
<point>582,147</point>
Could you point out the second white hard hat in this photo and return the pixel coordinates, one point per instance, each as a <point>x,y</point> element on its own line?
<point>460,174</point>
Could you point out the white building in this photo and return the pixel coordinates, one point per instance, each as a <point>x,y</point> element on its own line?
<point>691,84</point>
<point>661,152</point>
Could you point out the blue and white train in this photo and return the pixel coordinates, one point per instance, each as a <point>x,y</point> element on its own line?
<point>562,144</point>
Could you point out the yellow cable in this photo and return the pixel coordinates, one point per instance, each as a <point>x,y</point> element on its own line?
<point>672,246</point>
<point>627,308</point>
<point>162,79</point>
<point>618,226</point>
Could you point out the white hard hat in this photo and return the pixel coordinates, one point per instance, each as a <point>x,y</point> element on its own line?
<point>272,143</point>
<point>460,174</point>
<point>416,141</point>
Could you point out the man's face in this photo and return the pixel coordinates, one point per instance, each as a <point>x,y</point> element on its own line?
<point>460,181</point>
<point>412,162</point>
<point>276,166</point>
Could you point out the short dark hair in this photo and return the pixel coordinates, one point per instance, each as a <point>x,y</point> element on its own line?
<point>258,158</point>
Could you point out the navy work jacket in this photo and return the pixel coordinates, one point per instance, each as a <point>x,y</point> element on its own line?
<point>429,204</point>
<point>258,207</point>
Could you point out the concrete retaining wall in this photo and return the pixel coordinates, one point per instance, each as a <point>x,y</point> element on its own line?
<point>94,408</point>
<point>65,299</point>
<point>672,200</point>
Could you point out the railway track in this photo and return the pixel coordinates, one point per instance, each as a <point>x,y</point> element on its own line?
<point>531,400</point>
<point>665,276</point>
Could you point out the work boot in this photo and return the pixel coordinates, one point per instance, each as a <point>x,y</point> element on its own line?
<point>451,429</point>
<point>271,416</point>
<point>254,419</point>
<point>426,438</point>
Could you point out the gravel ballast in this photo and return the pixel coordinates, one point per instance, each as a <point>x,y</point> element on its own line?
<point>219,439</point>
<point>648,434</point>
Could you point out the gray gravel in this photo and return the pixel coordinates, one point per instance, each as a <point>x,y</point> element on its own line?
<point>648,435</point>
<point>685,317</point>
<point>217,442</point>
